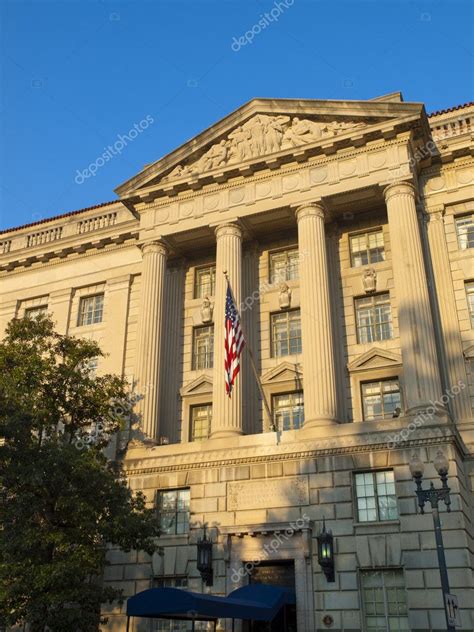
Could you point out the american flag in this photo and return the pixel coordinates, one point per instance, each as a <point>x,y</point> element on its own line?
<point>234,342</point>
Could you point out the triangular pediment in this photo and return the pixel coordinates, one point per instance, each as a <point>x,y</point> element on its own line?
<point>375,359</point>
<point>284,372</point>
<point>469,353</point>
<point>202,384</point>
<point>265,128</point>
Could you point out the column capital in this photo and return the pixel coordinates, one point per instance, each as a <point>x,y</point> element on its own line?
<point>314,209</point>
<point>155,246</point>
<point>399,188</point>
<point>228,229</point>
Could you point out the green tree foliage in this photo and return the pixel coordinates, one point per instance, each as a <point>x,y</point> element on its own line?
<point>62,501</point>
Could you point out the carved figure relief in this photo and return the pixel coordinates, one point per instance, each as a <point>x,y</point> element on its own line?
<point>369,280</point>
<point>285,296</point>
<point>261,135</point>
<point>206,310</point>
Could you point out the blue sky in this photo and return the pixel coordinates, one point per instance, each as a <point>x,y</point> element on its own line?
<point>76,75</point>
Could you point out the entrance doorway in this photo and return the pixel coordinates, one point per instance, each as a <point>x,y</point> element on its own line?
<point>281,573</point>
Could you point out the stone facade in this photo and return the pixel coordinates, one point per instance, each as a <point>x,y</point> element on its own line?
<point>371,322</point>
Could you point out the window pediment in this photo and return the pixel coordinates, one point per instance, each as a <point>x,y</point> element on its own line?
<point>375,359</point>
<point>284,372</point>
<point>199,386</point>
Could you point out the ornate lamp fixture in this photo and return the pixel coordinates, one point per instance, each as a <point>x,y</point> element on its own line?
<point>204,559</point>
<point>326,553</point>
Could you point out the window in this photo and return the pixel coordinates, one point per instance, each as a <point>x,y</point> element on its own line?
<point>203,347</point>
<point>381,399</point>
<point>177,581</point>
<point>284,266</point>
<point>201,417</point>
<point>376,498</point>
<point>204,281</point>
<point>173,507</point>
<point>288,411</point>
<point>373,318</point>
<point>465,231</point>
<point>91,309</point>
<point>470,300</point>
<point>34,312</point>
<point>384,601</point>
<point>286,333</point>
<point>367,248</point>
<point>90,366</point>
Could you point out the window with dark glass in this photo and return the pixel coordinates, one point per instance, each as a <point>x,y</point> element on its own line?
<point>380,399</point>
<point>201,418</point>
<point>373,318</point>
<point>367,248</point>
<point>288,411</point>
<point>470,300</point>
<point>204,281</point>
<point>465,231</point>
<point>173,511</point>
<point>203,347</point>
<point>286,333</point>
<point>91,310</point>
<point>375,495</point>
<point>284,265</point>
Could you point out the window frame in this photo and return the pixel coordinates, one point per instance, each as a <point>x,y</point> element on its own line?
<point>81,312</point>
<point>379,381</point>
<point>375,326</point>
<point>192,408</point>
<point>469,288</point>
<point>212,285</point>
<point>176,512</point>
<point>376,496</point>
<point>40,309</point>
<point>274,315</point>
<point>457,219</point>
<point>287,277</point>
<point>366,233</point>
<point>382,570</point>
<point>210,354</point>
<point>289,394</point>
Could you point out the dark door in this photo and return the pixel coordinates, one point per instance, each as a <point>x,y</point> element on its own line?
<point>278,574</point>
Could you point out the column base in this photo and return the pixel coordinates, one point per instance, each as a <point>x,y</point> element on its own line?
<point>226,433</point>
<point>319,422</point>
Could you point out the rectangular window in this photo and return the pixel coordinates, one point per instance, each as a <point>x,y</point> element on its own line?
<point>465,231</point>
<point>286,333</point>
<point>203,348</point>
<point>373,318</point>
<point>173,508</point>
<point>381,399</point>
<point>367,248</point>
<point>91,310</point>
<point>34,312</point>
<point>204,281</point>
<point>91,366</point>
<point>384,601</point>
<point>201,417</point>
<point>376,497</point>
<point>284,266</point>
<point>288,411</point>
<point>470,300</point>
<point>176,581</point>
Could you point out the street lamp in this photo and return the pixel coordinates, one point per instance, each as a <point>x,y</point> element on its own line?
<point>204,559</point>
<point>434,496</point>
<point>326,552</point>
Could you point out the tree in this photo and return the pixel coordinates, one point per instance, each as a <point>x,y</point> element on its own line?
<point>62,500</point>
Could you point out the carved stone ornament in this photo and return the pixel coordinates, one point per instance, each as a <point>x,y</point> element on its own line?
<point>261,135</point>
<point>206,310</point>
<point>369,280</point>
<point>284,297</point>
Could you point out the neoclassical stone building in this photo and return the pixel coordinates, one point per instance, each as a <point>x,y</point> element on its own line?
<point>347,232</point>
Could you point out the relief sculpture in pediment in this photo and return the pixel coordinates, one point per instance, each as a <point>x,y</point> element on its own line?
<point>261,135</point>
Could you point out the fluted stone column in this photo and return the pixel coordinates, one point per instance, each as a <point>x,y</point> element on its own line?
<point>320,396</point>
<point>150,325</point>
<point>417,337</point>
<point>226,411</point>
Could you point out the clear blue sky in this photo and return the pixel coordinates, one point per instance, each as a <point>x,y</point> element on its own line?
<point>75,75</point>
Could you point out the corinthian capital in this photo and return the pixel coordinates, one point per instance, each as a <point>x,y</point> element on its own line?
<point>399,188</point>
<point>310,209</point>
<point>154,247</point>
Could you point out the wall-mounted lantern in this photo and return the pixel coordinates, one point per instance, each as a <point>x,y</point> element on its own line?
<point>326,553</point>
<point>204,559</point>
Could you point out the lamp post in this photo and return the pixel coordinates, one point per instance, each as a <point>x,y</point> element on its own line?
<point>434,496</point>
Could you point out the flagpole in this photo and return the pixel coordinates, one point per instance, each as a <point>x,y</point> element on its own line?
<point>252,359</point>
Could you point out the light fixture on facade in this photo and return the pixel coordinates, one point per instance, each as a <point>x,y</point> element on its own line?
<point>204,559</point>
<point>326,552</point>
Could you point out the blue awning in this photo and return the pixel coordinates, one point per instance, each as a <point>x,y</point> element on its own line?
<point>257,602</point>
